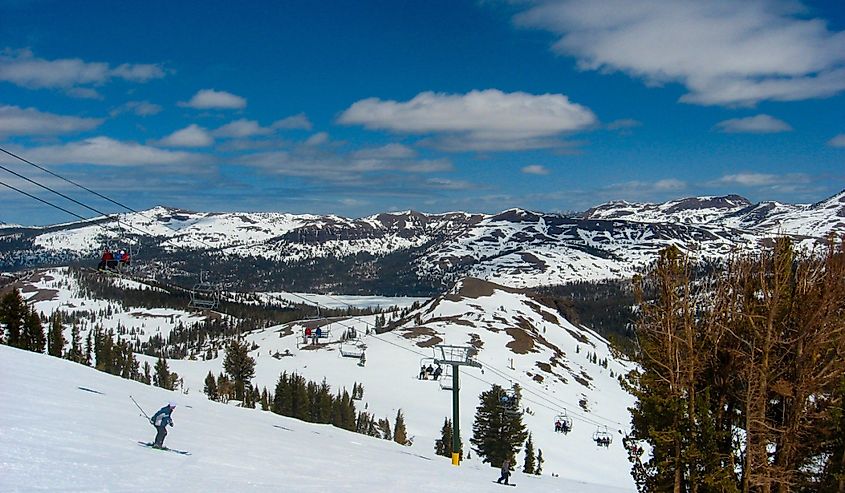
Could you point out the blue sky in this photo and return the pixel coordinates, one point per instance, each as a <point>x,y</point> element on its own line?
<point>359,107</point>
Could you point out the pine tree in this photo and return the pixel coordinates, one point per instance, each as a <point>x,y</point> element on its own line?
<point>239,365</point>
<point>210,387</point>
<point>162,377</point>
<point>498,431</point>
<point>89,348</point>
<point>33,333</point>
<point>265,399</point>
<point>539,469</point>
<point>56,339</point>
<point>13,314</point>
<point>529,465</point>
<point>147,377</point>
<point>75,351</point>
<point>443,445</point>
<point>384,427</point>
<point>400,434</point>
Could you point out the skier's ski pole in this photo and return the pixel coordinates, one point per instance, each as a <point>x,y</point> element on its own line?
<point>139,407</point>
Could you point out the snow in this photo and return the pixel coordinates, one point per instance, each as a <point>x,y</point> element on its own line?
<point>390,375</point>
<point>67,427</point>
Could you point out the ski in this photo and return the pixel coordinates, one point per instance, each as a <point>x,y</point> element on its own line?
<point>503,484</point>
<point>165,449</point>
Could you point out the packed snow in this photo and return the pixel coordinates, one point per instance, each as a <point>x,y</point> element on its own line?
<point>67,427</point>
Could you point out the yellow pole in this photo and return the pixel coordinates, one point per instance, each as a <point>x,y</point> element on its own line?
<point>456,459</point>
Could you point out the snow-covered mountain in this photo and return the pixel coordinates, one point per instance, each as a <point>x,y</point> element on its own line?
<point>517,339</point>
<point>407,252</point>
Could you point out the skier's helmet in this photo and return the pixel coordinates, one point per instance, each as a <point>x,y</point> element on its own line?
<point>171,404</point>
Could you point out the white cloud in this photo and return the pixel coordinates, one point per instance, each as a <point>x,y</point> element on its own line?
<point>242,128</point>
<point>481,120</point>
<point>295,122</point>
<point>838,141</point>
<point>140,108</point>
<point>206,99</point>
<point>535,169</point>
<point>763,179</point>
<point>760,124</point>
<point>669,184</point>
<point>317,139</point>
<point>624,123</point>
<point>20,67</point>
<point>109,152</point>
<point>84,93</point>
<point>389,151</point>
<point>725,52</point>
<point>29,121</point>
<point>191,136</point>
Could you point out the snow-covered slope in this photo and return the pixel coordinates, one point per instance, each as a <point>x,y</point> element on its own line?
<point>518,340</point>
<point>67,427</point>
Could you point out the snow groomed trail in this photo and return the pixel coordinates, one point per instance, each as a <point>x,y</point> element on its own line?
<point>67,427</point>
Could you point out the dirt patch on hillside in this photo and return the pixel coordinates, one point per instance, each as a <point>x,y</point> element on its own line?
<point>475,288</point>
<point>476,342</point>
<point>456,319</point>
<point>430,342</point>
<point>522,342</point>
<point>148,315</point>
<point>40,294</point>
<point>418,332</point>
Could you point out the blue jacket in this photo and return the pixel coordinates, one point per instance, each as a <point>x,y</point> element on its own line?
<point>162,417</point>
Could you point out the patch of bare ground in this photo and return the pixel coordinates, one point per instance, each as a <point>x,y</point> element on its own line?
<point>580,337</point>
<point>582,380</point>
<point>431,342</point>
<point>455,319</point>
<point>418,331</point>
<point>475,341</point>
<point>537,378</point>
<point>522,342</point>
<point>42,295</point>
<point>544,366</point>
<point>547,316</point>
<point>148,315</point>
<point>475,288</point>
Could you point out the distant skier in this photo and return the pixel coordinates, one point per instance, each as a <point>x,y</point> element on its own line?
<point>506,472</point>
<point>161,420</point>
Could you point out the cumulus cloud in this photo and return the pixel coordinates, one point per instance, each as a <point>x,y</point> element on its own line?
<point>760,124</point>
<point>206,99</point>
<point>641,188</point>
<point>22,68</point>
<point>389,151</point>
<point>838,141</point>
<point>191,136</point>
<point>535,169</point>
<point>295,122</point>
<point>724,52</point>
<point>478,120</point>
<point>110,152</point>
<point>29,121</point>
<point>334,164</point>
<point>242,128</point>
<point>317,139</point>
<point>763,179</point>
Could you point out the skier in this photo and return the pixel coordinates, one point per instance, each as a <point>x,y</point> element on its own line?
<point>506,472</point>
<point>161,420</point>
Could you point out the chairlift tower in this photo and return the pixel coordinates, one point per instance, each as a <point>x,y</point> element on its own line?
<point>457,356</point>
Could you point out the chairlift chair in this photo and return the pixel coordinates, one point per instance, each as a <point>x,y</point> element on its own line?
<point>446,378</point>
<point>204,295</point>
<point>352,348</point>
<point>602,438</point>
<point>565,422</point>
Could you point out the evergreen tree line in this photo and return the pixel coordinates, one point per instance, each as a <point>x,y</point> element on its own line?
<point>22,328</point>
<point>741,380</point>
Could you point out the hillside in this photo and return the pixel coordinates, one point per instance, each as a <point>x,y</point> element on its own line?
<point>517,339</point>
<point>71,428</point>
<point>411,253</point>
